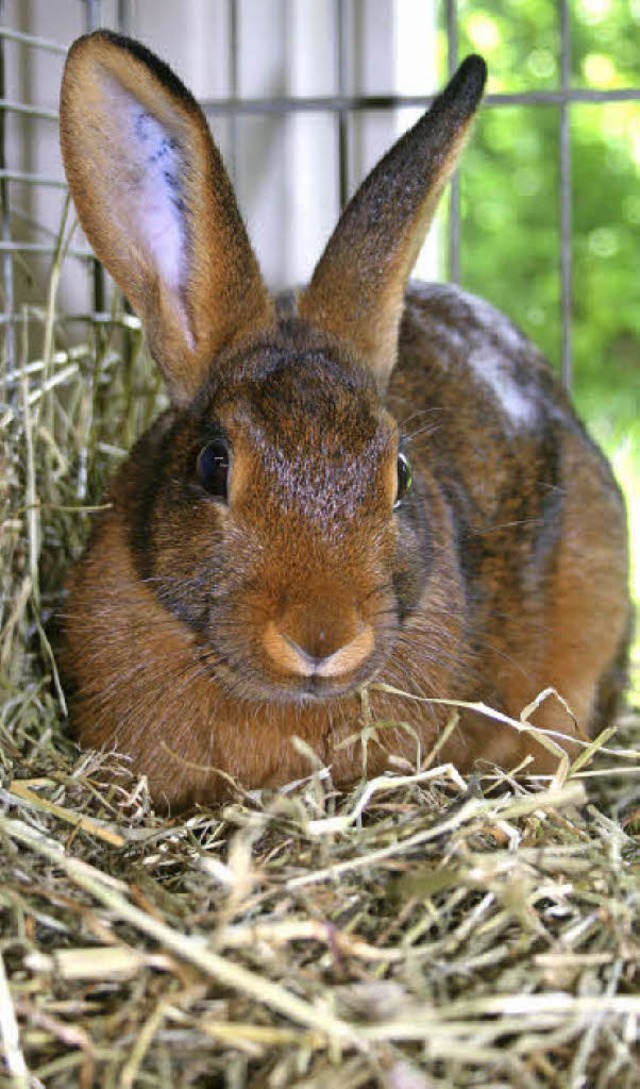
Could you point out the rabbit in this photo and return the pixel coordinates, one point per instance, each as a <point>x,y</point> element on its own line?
<point>366,496</point>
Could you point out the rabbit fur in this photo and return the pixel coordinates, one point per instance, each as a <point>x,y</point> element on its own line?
<point>366,483</point>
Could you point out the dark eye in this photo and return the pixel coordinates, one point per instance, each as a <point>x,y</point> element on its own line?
<point>405,479</point>
<point>213,468</point>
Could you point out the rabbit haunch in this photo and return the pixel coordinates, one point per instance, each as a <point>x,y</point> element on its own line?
<point>264,555</point>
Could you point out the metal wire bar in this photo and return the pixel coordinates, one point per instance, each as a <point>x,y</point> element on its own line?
<point>31,179</point>
<point>342,116</point>
<point>7,106</point>
<point>7,263</point>
<point>454,191</point>
<point>342,105</point>
<point>9,246</point>
<point>32,39</point>
<point>125,26</point>
<point>93,19</point>
<point>125,17</point>
<point>126,321</point>
<point>564,153</point>
<point>234,84</point>
<point>356,103</point>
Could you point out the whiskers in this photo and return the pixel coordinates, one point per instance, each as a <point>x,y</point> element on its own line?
<point>424,423</point>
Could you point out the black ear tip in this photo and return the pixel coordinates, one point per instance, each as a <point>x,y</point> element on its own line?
<point>101,35</point>
<point>162,72</point>
<point>469,81</point>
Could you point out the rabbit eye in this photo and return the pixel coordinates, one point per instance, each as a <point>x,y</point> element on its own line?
<point>213,468</point>
<point>405,479</point>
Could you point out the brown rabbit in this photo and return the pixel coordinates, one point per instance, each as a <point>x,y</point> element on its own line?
<point>359,484</point>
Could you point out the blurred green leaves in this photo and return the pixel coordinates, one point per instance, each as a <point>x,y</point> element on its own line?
<point>510,202</point>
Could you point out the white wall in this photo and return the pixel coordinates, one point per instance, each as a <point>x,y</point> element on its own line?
<point>285,168</point>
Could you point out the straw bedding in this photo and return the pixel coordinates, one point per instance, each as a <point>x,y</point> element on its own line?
<point>423,930</point>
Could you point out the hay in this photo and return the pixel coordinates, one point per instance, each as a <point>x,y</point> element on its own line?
<point>421,931</point>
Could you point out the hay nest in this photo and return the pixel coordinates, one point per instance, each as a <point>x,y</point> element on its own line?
<point>421,931</point>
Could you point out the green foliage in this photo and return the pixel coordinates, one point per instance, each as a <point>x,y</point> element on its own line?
<point>510,190</point>
<point>510,199</point>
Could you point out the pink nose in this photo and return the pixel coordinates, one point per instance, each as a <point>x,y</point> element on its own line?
<point>318,641</point>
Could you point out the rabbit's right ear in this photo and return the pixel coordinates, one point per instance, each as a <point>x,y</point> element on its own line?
<point>156,204</point>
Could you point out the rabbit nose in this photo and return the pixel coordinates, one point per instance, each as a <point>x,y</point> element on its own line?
<point>316,643</point>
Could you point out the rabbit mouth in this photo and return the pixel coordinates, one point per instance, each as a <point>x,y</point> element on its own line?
<point>318,689</point>
<point>301,651</point>
<point>313,689</point>
<point>322,663</point>
<point>260,682</point>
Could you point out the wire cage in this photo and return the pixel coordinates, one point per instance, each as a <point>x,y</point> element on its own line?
<point>420,930</point>
<point>345,31</point>
<point>302,99</point>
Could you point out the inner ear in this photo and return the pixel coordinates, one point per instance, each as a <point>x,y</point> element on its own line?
<point>152,198</point>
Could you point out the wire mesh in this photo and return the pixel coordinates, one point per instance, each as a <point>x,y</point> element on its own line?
<point>342,105</point>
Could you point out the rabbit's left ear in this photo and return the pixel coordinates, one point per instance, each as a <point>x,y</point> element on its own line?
<point>156,204</point>
<point>357,289</point>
